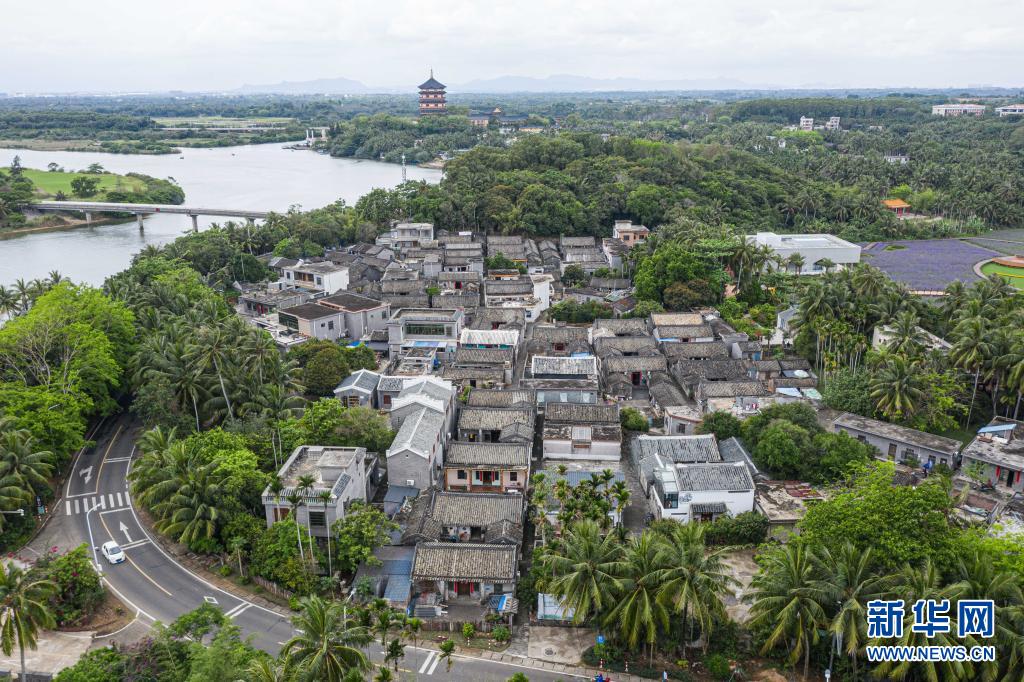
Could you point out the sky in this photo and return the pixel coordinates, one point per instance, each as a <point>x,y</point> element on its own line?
<point>212,45</point>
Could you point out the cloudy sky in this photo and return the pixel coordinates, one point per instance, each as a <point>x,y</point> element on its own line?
<point>104,45</point>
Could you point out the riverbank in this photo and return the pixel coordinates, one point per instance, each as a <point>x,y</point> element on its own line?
<point>64,223</point>
<point>80,146</point>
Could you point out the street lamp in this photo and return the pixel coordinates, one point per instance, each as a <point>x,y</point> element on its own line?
<point>828,674</point>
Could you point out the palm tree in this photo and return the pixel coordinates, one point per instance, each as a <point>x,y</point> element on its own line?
<point>23,610</point>
<point>264,669</point>
<point>212,350</point>
<point>384,674</point>
<point>8,302</point>
<point>906,336</point>
<point>897,387</point>
<point>326,498</point>
<point>306,483</point>
<point>582,570</point>
<point>784,603</point>
<point>638,611</point>
<point>846,584</point>
<point>912,584</point>
<point>694,581</point>
<point>327,643</point>
<point>620,491</point>
<point>447,649</point>
<point>412,628</point>
<point>23,290</point>
<point>971,350</point>
<point>394,652</point>
<point>193,510</point>
<point>295,500</point>
<point>797,261</point>
<point>21,463</point>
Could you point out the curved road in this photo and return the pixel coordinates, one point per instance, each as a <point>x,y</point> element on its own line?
<point>96,507</point>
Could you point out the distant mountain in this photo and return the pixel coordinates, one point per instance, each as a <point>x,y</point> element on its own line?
<point>571,83</point>
<point>328,86</point>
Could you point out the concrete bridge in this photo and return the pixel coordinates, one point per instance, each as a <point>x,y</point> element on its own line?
<point>140,210</point>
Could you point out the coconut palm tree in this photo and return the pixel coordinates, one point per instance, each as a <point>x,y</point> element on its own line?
<point>906,336</point>
<point>971,351</point>
<point>326,499</point>
<point>21,462</point>
<point>846,583</point>
<point>306,483</point>
<point>581,571</point>
<point>897,387</point>
<point>295,500</point>
<point>912,584</point>
<point>797,261</point>
<point>193,511</point>
<point>785,604</point>
<point>213,350</point>
<point>264,669</point>
<point>8,302</point>
<point>328,643</point>
<point>638,613</point>
<point>620,493</point>
<point>23,610</point>
<point>694,581</point>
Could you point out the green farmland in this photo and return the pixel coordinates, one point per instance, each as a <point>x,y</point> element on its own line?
<point>48,183</point>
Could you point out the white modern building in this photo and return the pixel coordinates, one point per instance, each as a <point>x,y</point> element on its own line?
<point>407,235</point>
<point>339,471</point>
<point>813,248</point>
<point>958,109</point>
<point>322,276</point>
<point>1010,110</point>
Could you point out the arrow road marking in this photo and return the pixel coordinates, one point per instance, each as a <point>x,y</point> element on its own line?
<point>124,529</point>
<point>87,473</point>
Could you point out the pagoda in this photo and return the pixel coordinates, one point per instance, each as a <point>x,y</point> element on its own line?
<point>432,97</point>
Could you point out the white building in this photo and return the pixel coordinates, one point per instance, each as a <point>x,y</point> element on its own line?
<point>806,123</point>
<point>407,235</point>
<point>422,416</point>
<point>322,276</point>
<point>582,432</point>
<point>833,123</point>
<point>336,470</point>
<point>814,248</point>
<point>438,328</point>
<point>361,315</point>
<point>1010,110</point>
<point>630,234</point>
<point>958,109</point>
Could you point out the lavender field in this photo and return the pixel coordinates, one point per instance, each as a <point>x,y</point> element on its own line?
<point>928,264</point>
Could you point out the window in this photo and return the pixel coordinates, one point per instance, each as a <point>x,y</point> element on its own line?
<point>513,476</point>
<point>352,401</point>
<point>330,325</point>
<point>892,450</point>
<point>461,474</point>
<point>317,519</point>
<point>670,501</point>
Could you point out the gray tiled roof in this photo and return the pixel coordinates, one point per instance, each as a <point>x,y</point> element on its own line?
<point>896,432</point>
<point>551,334</point>
<point>667,394</point>
<point>486,373</point>
<point>463,561</point>
<point>476,509</point>
<point>352,302</point>
<point>628,326</point>
<point>695,477</point>
<point>730,389</point>
<point>578,366</point>
<point>391,384</point>
<point>502,398</point>
<point>512,455</point>
<point>363,379</point>
<point>485,318</point>
<point>680,449</point>
<point>581,414</point>
<point>634,363</point>
<point>490,419</point>
<point>519,287</point>
<point>686,332</point>
<point>610,283</point>
<point>708,508</point>
<point>419,432</point>
<point>699,349</point>
<point>605,346</point>
<point>484,356</point>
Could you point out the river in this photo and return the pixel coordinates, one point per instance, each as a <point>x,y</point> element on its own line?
<point>255,177</point>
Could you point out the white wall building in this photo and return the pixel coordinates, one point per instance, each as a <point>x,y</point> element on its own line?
<point>814,248</point>
<point>340,471</point>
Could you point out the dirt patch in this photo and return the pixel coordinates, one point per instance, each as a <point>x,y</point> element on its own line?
<point>560,645</point>
<point>741,566</point>
<point>111,615</point>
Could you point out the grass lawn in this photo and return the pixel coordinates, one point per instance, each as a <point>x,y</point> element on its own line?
<point>963,435</point>
<point>1014,276</point>
<point>49,183</point>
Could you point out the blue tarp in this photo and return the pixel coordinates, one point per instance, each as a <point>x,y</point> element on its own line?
<point>997,428</point>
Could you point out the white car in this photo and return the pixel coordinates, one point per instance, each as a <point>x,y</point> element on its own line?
<point>112,552</point>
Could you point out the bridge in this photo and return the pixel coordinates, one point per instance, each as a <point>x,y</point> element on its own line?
<point>140,210</point>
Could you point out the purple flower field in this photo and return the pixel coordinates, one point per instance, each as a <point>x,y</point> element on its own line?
<point>928,264</point>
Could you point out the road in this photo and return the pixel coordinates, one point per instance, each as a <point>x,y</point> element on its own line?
<point>96,507</point>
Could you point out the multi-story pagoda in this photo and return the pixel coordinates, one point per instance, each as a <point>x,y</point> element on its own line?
<point>432,97</point>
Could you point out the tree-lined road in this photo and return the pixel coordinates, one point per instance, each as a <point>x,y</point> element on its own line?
<point>97,507</point>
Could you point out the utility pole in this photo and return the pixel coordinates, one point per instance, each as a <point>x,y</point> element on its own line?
<point>404,178</point>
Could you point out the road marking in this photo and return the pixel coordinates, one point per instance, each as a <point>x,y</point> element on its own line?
<point>86,473</point>
<point>99,474</point>
<point>78,455</point>
<point>76,506</point>
<point>426,663</point>
<point>101,504</point>
<point>67,507</point>
<point>111,497</point>
<point>119,503</point>
<point>137,543</point>
<point>238,610</point>
<point>433,666</point>
<point>137,567</point>
<point>118,459</point>
<point>124,529</point>
<point>210,600</point>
